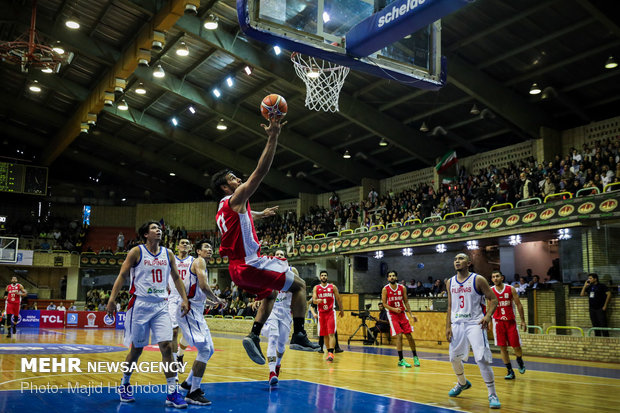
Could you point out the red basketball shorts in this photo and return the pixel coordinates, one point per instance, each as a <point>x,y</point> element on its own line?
<point>399,323</point>
<point>261,275</point>
<point>327,323</point>
<point>12,308</point>
<point>506,333</point>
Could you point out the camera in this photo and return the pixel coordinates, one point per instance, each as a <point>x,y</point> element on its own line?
<point>364,313</point>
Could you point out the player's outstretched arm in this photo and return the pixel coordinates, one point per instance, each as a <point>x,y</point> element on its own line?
<point>267,212</point>
<point>449,314</point>
<point>132,258</point>
<point>246,190</point>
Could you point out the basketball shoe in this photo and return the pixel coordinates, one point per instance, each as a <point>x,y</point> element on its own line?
<point>522,369</point>
<point>251,343</point>
<point>510,375</point>
<point>186,386</point>
<point>330,357</point>
<point>456,390</point>
<point>416,361</point>
<point>403,363</point>
<point>300,341</point>
<point>176,400</point>
<point>273,378</point>
<point>197,397</point>
<point>125,393</point>
<point>494,402</point>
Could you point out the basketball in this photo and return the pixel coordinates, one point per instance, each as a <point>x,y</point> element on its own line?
<point>273,105</point>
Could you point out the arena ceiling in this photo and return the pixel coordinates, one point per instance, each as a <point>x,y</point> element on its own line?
<point>495,50</point>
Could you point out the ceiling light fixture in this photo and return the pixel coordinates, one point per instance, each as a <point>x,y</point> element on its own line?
<point>58,48</point>
<point>182,50</point>
<point>472,245</point>
<point>514,240</point>
<point>474,110</point>
<point>383,142</point>
<point>172,174</point>
<point>47,70</point>
<point>441,248</point>
<point>174,121</point>
<point>611,63</point>
<point>346,155</point>
<point>159,72</point>
<point>289,174</point>
<point>564,234</point>
<point>108,99</point>
<point>192,110</point>
<point>211,22</point>
<point>229,81</point>
<point>248,70</point>
<point>407,252</point>
<point>221,125</point>
<point>35,86</point>
<point>379,254</point>
<point>72,23</point>
<point>191,7</point>
<point>534,90</point>
<point>84,127</point>
<point>91,119</point>
<point>140,90</point>
<point>159,39</point>
<point>216,92</point>
<point>122,105</point>
<point>277,50</point>
<point>423,127</point>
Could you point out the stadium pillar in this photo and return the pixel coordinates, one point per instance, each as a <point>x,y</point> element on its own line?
<point>73,278</point>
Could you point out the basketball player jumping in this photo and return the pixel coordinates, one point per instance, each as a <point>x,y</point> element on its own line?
<point>149,266</point>
<point>394,298</point>
<point>504,323</point>
<point>251,271</point>
<point>184,264</point>
<point>193,324</point>
<point>324,295</point>
<point>466,324</point>
<point>13,295</point>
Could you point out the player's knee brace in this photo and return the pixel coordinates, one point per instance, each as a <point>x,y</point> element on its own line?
<point>204,353</point>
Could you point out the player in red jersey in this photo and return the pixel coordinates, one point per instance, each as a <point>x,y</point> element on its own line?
<point>394,298</point>
<point>251,271</point>
<point>13,296</point>
<point>324,295</point>
<point>504,323</point>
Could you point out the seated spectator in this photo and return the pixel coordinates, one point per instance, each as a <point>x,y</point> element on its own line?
<point>51,306</point>
<point>73,308</point>
<point>61,308</point>
<point>45,245</point>
<point>420,290</point>
<point>536,284</point>
<point>101,307</point>
<point>217,290</point>
<point>437,288</point>
<point>382,325</point>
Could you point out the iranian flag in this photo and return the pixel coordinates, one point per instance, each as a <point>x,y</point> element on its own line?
<point>448,160</point>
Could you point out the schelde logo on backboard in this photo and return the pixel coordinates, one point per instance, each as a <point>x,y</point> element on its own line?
<point>397,12</point>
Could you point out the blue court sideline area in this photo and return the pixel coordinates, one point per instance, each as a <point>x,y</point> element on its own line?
<point>287,396</point>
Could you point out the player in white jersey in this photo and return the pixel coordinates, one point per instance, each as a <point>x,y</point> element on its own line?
<point>277,328</point>
<point>149,265</point>
<point>184,263</point>
<point>467,323</point>
<point>193,324</point>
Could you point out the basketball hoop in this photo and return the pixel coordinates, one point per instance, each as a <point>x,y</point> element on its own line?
<point>323,81</point>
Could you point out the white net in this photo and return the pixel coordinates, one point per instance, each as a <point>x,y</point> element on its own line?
<point>323,81</point>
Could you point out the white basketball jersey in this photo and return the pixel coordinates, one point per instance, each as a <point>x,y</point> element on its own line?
<point>282,305</point>
<point>193,290</point>
<point>467,301</point>
<point>149,277</point>
<point>183,265</point>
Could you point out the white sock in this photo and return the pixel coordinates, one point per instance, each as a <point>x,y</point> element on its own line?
<point>195,383</point>
<point>459,370</point>
<point>174,357</point>
<point>171,383</point>
<point>190,377</point>
<point>126,378</point>
<point>279,360</point>
<point>272,365</point>
<point>487,375</point>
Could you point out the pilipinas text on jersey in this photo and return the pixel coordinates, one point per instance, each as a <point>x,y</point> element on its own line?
<point>149,276</point>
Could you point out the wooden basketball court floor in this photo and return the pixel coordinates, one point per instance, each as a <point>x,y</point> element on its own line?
<point>362,379</point>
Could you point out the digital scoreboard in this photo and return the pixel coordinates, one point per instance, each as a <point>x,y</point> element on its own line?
<point>23,179</point>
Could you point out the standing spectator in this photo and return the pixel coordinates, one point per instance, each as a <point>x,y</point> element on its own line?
<point>372,195</point>
<point>334,200</point>
<point>526,190</point>
<point>120,242</point>
<point>599,296</point>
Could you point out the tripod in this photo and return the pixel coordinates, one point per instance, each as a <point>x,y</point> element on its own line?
<point>368,337</point>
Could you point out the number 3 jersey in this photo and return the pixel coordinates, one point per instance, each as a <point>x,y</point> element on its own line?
<point>149,276</point>
<point>467,301</point>
<point>239,238</point>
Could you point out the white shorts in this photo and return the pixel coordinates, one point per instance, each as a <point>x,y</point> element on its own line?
<point>146,317</point>
<point>194,327</point>
<point>173,306</point>
<point>278,324</point>
<point>464,335</point>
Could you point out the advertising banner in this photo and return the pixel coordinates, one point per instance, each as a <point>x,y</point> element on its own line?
<point>120,320</point>
<point>90,319</point>
<point>52,319</point>
<point>29,318</point>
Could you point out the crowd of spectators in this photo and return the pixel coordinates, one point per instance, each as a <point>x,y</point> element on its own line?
<point>51,235</point>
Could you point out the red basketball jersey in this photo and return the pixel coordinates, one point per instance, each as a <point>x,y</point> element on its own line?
<point>395,297</point>
<point>239,238</point>
<point>505,309</point>
<point>13,294</point>
<point>325,293</point>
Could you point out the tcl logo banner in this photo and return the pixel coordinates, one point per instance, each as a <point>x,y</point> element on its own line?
<point>52,319</point>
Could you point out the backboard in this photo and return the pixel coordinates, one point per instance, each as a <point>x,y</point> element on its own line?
<point>365,35</point>
<point>8,249</point>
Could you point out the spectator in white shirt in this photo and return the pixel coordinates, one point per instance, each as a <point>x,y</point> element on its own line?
<point>61,308</point>
<point>52,306</point>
